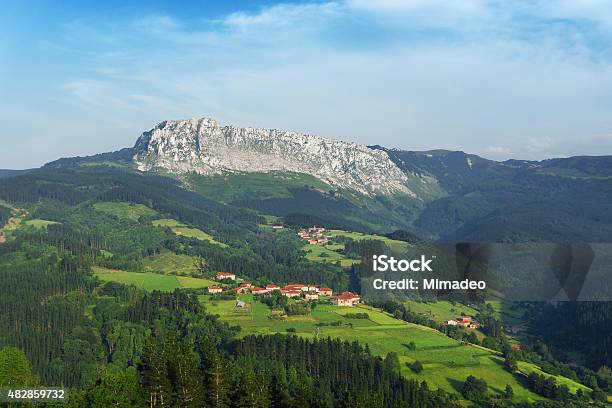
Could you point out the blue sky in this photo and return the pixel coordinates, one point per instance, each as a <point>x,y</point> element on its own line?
<point>520,79</point>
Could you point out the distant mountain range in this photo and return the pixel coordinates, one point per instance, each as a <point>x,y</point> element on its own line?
<point>440,195</point>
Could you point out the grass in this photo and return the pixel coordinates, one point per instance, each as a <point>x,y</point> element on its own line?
<point>526,368</point>
<point>189,282</point>
<point>38,223</point>
<point>168,262</point>
<point>124,210</point>
<point>181,229</point>
<point>398,247</point>
<point>507,312</point>
<point>329,253</point>
<point>440,311</point>
<point>324,254</point>
<point>447,362</point>
<point>150,281</point>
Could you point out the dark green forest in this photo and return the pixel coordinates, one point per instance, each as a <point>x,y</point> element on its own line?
<point>113,344</point>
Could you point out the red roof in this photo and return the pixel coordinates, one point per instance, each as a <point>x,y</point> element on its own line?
<point>225,274</point>
<point>347,296</point>
<point>214,287</point>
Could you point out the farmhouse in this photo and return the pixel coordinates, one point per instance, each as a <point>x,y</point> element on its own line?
<point>241,290</point>
<point>311,295</point>
<point>464,321</point>
<point>214,289</point>
<point>291,293</point>
<point>346,299</point>
<point>225,275</point>
<point>259,291</point>
<point>325,292</point>
<point>296,286</point>
<point>272,287</point>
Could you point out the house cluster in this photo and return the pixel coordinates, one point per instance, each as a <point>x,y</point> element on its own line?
<point>307,292</point>
<point>464,321</point>
<point>314,235</point>
<point>292,290</point>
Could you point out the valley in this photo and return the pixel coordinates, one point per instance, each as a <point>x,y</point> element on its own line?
<point>131,254</point>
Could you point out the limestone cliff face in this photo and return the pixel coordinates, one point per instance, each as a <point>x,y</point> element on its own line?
<point>205,147</point>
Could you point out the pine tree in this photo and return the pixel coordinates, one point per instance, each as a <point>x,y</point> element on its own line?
<point>216,376</point>
<point>185,373</point>
<point>155,379</point>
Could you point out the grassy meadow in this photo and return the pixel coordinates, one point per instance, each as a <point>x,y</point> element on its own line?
<point>124,210</point>
<point>398,247</point>
<point>446,362</point>
<point>168,262</point>
<point>325,254</point>
<point>441,310</point>
<point>181,229</point>
<point>151,281</point>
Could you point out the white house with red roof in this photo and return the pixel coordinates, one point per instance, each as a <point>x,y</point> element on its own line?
<point>225,275</point>
<point>346,299</point>
<point>259,291</point>
<point>291,293</point>
<point>214,289</point>
<point>272,287</point>
<point>311,295</point>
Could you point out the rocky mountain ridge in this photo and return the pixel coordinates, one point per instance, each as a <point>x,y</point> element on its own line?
<point>205,147</point>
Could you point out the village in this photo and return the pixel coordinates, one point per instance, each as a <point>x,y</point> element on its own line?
<point>297,291</point>
<point>314,235</point>
<point>464,321</point>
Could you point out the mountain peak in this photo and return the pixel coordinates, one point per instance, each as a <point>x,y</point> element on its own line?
<point>203,146</point>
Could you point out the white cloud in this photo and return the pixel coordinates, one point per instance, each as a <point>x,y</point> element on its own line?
<point>159,23</point>
<point>281,16</point>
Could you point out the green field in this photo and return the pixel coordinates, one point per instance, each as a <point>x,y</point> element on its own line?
<point>38,223</point>
<point>168,262</point>
<point>507,312</point>
<point>124,210</point>
<point>151,281</point>
<point>330,253</point>
<point>398,247</point>
<point>573,386</point>
<point>325,254</point>
<point>447,362</point>
<point>440,311</point>
<point>181,229</point>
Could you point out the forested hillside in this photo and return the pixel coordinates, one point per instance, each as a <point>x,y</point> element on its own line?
<point>111,343</point>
